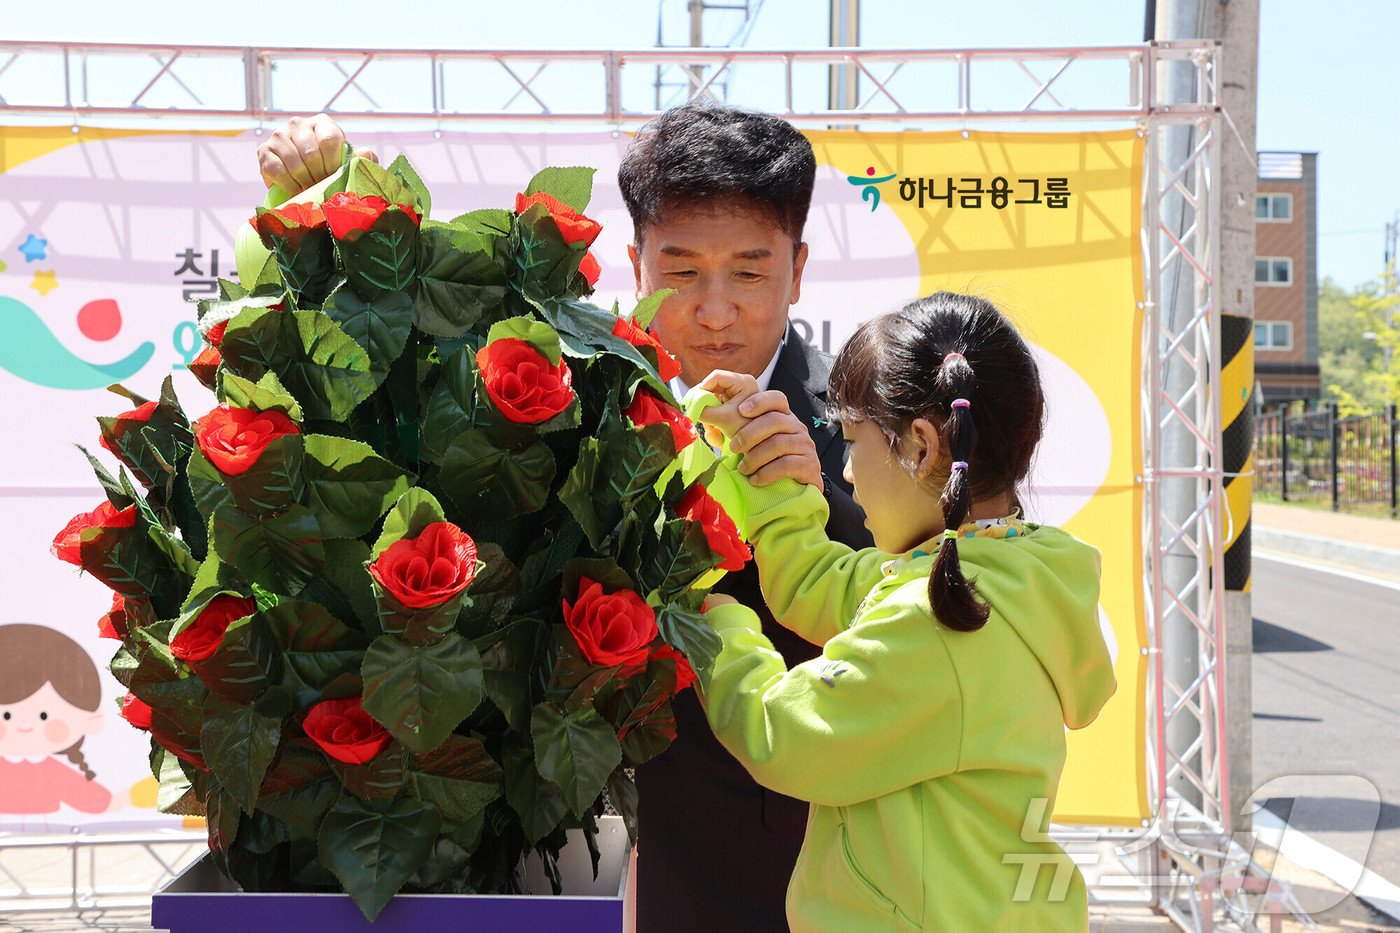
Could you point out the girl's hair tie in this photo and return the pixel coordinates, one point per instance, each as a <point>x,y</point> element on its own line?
<point>960,465</point>
<point>961,403</point>
<point>950,534</point>
<point>952,356</point>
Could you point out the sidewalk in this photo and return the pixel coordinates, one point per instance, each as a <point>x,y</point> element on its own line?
<point>1355,542</point>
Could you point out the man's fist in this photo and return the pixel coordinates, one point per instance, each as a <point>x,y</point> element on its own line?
<point>303,152</point>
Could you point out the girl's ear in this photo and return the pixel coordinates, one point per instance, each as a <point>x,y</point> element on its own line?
<point>925,447</point>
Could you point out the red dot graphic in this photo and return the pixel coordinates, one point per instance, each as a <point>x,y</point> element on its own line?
<point>100,319</point>
<point>870,170</point>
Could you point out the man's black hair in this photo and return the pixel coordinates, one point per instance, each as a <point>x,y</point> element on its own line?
<point>704,151</point>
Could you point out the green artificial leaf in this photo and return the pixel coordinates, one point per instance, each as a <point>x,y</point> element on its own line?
<point>348,485</point>
<point>299,763</point>
<point>178,702</point>
<point>373,850</point>
<point>489,222</point>
<point>507,660</point>
<point>536,333</point>
<point>381,778</point>
<point>574,680</point>
<point>175,788</point>
<point>649,738</point>
<point>622,793</point>
<point>274,481</point>
<point>421,692</point>
<point>115,493</point>
<point>240,741</point>
<point>451,408</point>
<point>460,778</point>
<point>384,258</point>
<point>319,363</point>
<point>229,290</point>
<point>128,561</point>
<point>676,559</point>
<point>575,750</point>
<point>415,510</point>
<point>369,178</point>
<point>690,634</point>
<point>458,280</point>
<point>544,567</point>
<point>401,167</point>
<point>542,263</point>
<point>267,394</point>
<point>539,803</point>
<point>381,325</point>
<point>572,186</point>
<point>303,808</point>
<point>586,330</point>
<point>306,262</point>
<point>343,585</point>
<point>206,483</point>
<point>487,481</point>
<point>281,552</point>
<point>245,664</point>
<point>492,593</point>
<point>222,816</point>
<point>316,646</point>
<point>646,309</point>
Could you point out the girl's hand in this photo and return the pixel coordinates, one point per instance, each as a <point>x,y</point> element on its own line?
<point>718,599</point>
<point>732,389</point>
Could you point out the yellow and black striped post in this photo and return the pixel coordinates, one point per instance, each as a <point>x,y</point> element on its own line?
<point>1237,453</point>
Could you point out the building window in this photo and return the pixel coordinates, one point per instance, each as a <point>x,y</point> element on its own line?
<point>1273,335</point>
<point>1273,270</point>
<point>1273,208</point>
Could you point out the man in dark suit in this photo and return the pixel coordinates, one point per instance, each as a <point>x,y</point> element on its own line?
<point>718,199</point>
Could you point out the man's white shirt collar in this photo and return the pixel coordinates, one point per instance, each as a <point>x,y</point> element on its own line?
<point>679,388</point>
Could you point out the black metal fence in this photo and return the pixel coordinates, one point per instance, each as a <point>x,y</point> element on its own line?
<point>1319,455</point>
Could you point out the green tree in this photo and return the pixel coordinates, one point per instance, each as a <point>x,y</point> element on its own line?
<point>1353,335</point>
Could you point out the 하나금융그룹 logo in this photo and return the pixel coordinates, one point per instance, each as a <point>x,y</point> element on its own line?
<point>869,185</point>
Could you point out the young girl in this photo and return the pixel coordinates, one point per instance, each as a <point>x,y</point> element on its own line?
<point>955,652</point>
<point>49,698</point>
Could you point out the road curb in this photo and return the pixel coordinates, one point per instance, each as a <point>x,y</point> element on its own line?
<point>1348,874</point>
<point>1375,559</point>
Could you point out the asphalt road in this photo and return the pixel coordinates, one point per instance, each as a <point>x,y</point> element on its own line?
<point>1327,708</point>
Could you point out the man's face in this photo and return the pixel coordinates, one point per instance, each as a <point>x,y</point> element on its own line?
<point>734,275</point>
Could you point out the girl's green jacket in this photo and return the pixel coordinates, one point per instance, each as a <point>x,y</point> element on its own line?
<point>931,757</point>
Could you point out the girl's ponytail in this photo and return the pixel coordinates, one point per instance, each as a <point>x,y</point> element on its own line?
<point>950,594</point>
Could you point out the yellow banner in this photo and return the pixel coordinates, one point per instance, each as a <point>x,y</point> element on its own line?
<point>1048,226</point>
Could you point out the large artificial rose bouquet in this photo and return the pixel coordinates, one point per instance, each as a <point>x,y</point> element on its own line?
<point>420,585</point>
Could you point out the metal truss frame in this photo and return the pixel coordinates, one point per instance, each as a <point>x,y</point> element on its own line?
<point>1184,862</point>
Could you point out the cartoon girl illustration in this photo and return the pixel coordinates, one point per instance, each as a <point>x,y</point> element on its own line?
<point>49,698</point>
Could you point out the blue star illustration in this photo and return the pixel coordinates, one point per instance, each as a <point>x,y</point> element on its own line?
<point>34,248</point>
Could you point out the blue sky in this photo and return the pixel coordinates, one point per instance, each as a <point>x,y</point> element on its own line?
<point>1327,78</point>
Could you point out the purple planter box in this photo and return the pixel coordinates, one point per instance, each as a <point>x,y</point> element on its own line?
<point>201,900</point>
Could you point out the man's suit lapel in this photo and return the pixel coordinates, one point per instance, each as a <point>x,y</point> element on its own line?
<point>801,375</point>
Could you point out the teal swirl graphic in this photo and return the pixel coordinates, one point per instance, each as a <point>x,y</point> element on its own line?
<point>29,350</point>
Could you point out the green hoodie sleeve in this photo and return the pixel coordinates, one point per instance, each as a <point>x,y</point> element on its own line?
<point>812,585</point>
<point>878,711</point>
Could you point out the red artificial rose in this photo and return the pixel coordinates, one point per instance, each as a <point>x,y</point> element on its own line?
<point>522,383</point>
<point>234,438</point>
<point>345,731</point>
<point>290,223</point>
<point>67,543</point>
<point>720,531</point>
<point>610,628</point>
<point>113,624</point>
<point>648,408</point>
<point>346,212</point>
<point>427,570</point>
<point>666,364</point>
<point>576,229</point>
<point>139,415</point>
<point>590,270</point>
<point>136,712</point>
<point>201,638</point>
<point>216,333</point>
<point>205,365</point>
<point>685,674</point>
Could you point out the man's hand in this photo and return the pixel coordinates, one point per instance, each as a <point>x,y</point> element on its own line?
<point>762,427</point>
<point>303,152</point>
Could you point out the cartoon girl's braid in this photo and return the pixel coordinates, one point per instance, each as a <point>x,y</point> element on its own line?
<point>950,594</point>
<point>75,755</point>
